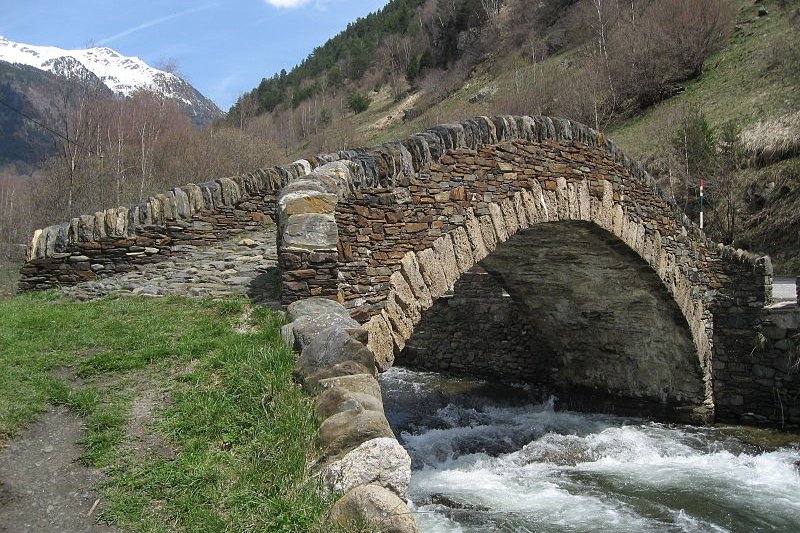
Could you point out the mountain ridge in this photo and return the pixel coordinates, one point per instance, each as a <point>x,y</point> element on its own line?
<point>123,75</point>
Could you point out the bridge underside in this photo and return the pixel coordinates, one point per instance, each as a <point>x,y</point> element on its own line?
<point>570,307</point>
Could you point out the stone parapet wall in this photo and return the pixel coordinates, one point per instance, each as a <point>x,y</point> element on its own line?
<point>758,379</point>
<point>116,240</point>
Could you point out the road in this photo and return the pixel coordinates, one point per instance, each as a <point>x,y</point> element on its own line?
<point>784,289</point>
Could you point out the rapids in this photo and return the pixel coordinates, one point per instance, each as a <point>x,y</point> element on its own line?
<point>497,458</point>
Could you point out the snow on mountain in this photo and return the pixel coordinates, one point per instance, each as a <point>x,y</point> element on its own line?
<point>122,74</point>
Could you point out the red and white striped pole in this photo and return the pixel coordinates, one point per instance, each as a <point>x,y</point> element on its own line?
<point>702,186</point>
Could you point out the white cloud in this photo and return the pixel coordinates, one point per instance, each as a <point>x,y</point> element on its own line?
<point>286,3</point>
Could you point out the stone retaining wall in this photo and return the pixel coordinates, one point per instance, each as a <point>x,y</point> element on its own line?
<point>359,455</point>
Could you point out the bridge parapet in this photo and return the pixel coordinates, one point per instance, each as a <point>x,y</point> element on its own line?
<point>115,240</point>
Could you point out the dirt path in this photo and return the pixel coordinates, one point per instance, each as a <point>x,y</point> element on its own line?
<point>43,488</point>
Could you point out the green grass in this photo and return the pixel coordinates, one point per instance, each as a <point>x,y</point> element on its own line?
<point>241,430</point>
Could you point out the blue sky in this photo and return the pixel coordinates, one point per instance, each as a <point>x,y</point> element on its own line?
<point>222,47</point>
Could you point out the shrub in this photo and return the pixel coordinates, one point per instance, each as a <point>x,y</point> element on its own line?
<point>358,102</point>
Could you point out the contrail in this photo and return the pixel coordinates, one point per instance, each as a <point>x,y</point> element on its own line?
<point>154,22</point>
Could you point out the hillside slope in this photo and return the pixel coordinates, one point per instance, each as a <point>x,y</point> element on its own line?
<point>25,88</point>
<point>748,84</point>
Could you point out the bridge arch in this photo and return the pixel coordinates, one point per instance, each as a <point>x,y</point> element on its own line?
<point>390,230</point>
<point>428,274</point>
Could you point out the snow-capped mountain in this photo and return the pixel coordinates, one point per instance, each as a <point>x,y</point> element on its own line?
<point>122,74</point>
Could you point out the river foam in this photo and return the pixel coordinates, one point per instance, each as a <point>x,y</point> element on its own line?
<point>487,460</point>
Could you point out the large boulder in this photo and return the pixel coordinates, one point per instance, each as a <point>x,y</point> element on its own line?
<point>380,461</point>
<point>311,316</point>
<point>363,383</point>
<point>375,506</point>
<point>342,432</point>
<point>330,347</point>
<point>336,399</point>
<point>345,368</point>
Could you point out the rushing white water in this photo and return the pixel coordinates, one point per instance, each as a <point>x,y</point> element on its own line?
<point>487,459</point>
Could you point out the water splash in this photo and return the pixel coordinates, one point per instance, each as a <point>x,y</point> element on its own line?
<point>486,460</point>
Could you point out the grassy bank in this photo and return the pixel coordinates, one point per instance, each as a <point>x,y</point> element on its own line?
<point>190,406</point>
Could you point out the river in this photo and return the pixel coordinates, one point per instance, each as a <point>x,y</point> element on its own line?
<point>490,457</point>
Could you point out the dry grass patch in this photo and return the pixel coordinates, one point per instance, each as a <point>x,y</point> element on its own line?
<point>770,141</point>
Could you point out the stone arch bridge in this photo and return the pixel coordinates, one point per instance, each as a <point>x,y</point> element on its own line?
<point>528,248</point>
<point>524,248</point>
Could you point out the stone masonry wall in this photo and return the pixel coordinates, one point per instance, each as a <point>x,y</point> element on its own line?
<point>757,380</point>
<point>486,333</point>
<point>115,240</point>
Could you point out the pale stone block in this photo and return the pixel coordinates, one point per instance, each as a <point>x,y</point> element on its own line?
<point>488,233</point>
<point>305,166</point>
<point>411,273</point>
<point>311,231</point>
<point>195,195</point>
<point>340,173</point>
<point>381,461</point>
<point>617,217</point>
<point>462,249</point>
<point>443,246</point>
<point>584,201</point>
<point>572,210</point>
<point>110,222</point>
<point>86,228</point>
<point>562,199</point>
<point>401,323</point>
<point>531,207</point>
<point>231,193</point>
<point>100,225</point>
<point>121,224</point>
<point>375,506</point>
<point>168,204</point>
<point>182,208</point>
<point>297,203</point>
<point>399,342</point>
<point>404,297</point>
<point>475,234</point>
<point>519,210</point>
<point>380,342</point>
<point>35,249</point>
<point>510,217</point>
<point>497,218</point>
<point>432,273</point>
